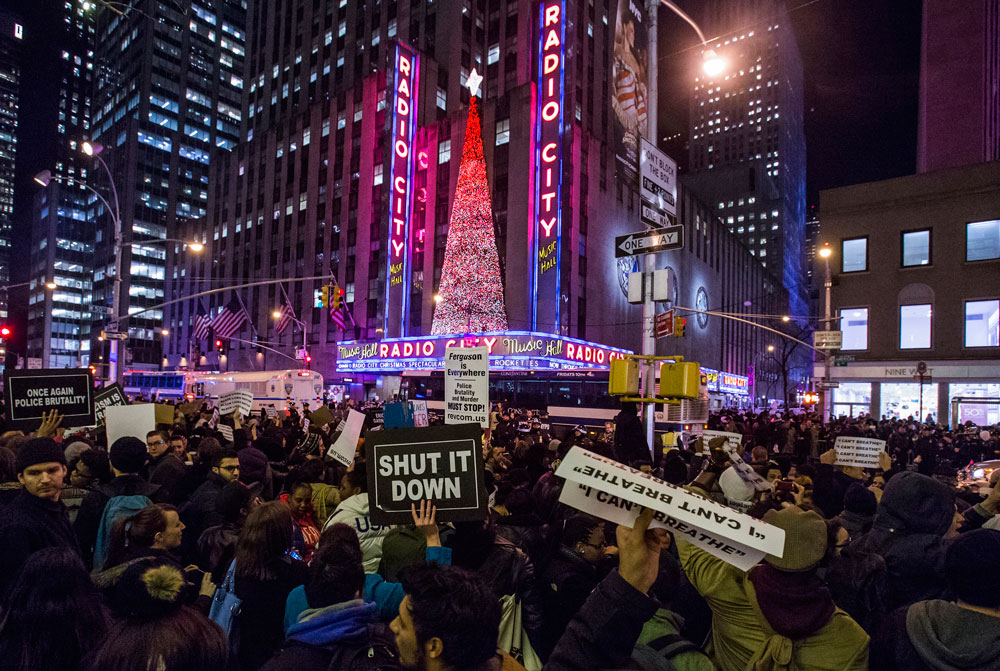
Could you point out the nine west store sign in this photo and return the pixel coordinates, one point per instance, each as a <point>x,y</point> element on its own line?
<point>892,370</point>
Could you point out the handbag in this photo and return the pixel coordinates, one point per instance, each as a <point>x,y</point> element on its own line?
<point>225,608</point>
<point>513,639</point>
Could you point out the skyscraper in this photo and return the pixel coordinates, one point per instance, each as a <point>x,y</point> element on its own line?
<point>168,94</point>
<point>11,37</point>
<point>62,238</point>
<point>747,139</point>
<point>958,118</point>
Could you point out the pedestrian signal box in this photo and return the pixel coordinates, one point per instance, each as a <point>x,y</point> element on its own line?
<point>624,378</point>
<point>325,296</point>
<point>680,380</point>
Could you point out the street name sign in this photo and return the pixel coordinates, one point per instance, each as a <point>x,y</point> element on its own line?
<point>115,335</point>
<point>649,242</point>
<point>652,216</point>
<point>828,339</point>
<point>827,384</point>
<point>665,324</point>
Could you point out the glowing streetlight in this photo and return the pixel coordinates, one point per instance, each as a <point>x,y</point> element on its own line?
<point>44,177</point>
<point>276,314</point>
<point>770,348</point>
<point>786,318</point>
<point>437,298</point>
<point>825,251</point>
<point>713,64</point>
<point>164,332</point>
<point>195,246</point>
<point>91,148</point>
<point>50,285</point>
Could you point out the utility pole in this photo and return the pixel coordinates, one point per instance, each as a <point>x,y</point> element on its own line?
<point>649,260</point>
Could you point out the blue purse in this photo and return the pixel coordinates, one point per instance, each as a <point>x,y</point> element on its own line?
<point>226,605</point>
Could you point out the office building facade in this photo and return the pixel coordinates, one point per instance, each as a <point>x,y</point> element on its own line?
<point>11,40</point>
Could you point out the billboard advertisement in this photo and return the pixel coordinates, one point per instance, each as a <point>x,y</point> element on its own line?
<point>629,88</point>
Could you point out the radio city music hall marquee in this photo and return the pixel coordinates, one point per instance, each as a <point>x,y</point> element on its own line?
<point>508,350</point>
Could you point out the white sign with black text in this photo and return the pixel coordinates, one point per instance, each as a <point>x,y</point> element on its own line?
<point>346,445</point>
<point>854,451</point>
<point>467,385</point>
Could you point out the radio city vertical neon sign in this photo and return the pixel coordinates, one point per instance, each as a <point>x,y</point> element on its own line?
<point>404,124</point>
<point>547,225</point>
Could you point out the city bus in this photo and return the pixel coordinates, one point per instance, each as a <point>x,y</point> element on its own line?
<point>269,387</point>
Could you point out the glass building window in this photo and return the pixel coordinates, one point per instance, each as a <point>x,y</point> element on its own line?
<point>444,151</point>
<point>982,240</point>
<point>916,248</point>
<point>854,324</point>
<point>854,255</point>
<point>852,399</point>
<point>982,323</point>
<point>915,326</point>
<point>503,131</point>
<point>981,413</point>
<point>907,399</point>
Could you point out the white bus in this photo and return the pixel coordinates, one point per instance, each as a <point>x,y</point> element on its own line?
<point>274,388</point>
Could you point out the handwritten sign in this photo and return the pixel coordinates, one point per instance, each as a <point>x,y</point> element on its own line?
<point>853,451</point>
<point>593,470</point>
<point>238,399</point>
<point>467,385</point>
<point>443,464</point>
<point>621,511</point>
<point>344,448</point>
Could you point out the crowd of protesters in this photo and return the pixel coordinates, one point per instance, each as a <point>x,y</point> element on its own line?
<point>192,551</point>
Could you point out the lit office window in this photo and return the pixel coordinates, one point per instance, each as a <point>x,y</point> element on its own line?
<point>854,324</point>
<point>982,240</point>
<point>916,248</point>
<point>982,323</point>
<point>915,326</point>
<point>854,255</point>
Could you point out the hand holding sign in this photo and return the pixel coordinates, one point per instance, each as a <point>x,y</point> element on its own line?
<point>860,452</point>
<point>639,551</point>
<point>425,523</point>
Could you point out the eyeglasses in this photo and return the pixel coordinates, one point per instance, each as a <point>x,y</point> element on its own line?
<point>229,468</point>
<point>157,443</point>
<point>602,546</point>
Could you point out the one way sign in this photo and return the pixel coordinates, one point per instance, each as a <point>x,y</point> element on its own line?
<point>648,242</point>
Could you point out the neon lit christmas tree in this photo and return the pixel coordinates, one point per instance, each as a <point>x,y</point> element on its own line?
<point>470,297</point>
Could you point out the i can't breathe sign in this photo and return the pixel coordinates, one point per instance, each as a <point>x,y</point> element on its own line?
<point>441,464</point>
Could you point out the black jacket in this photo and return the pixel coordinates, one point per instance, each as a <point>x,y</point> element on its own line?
<point>262,612</point>
<point>88,520</point>
<point>167,470</point>
<point>29,524</point>
<point>630,439</point>
<point>205,504</point>
<point>604,631</point>
<point>567,582</point>
<point>936,635</point>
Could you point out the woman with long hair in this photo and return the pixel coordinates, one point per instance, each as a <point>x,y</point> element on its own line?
<point>156,630</point>
<point>265,572</point>
<point>154,531</point>
<point>53,615</point>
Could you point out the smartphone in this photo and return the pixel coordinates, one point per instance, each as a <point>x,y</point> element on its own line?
<point>784,486</point>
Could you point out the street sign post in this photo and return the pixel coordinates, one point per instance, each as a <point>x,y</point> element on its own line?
<point>114,335</point>
<point>827,384</point>
<point>652,216</point>
<point>828,339</point>
<point>665,324</point>
<point>100,309</point>
<point>649,242</point>
<point>657,177</point>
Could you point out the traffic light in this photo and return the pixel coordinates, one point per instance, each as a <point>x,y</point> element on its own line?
<point>679,323</point>
<point>810,398</point>
<point>221,345</point>
<point>324,299</point>
<point>338,295</point>
<point>5,331</point>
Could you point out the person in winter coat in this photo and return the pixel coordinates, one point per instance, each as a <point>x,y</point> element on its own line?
<point>205,508</point>
<point>217,545</point>
<point>859,510</point>
<point>264,575</point>
<point>353,511</point>
<point>522,526</point>
<point>128,457</point>
<point>909,531</point>
<point>960,635</point>
<point>630,439</point>
<point>779,615</point>
<point>298,498</point>
<point>570,576</point>
<point>35,519</point>
<point>165,468</point>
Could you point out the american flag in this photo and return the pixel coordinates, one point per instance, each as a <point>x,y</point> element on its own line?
<point>201,323</point>
<point>284,319</point>
<point>230,319</point>
<point>337,315</point>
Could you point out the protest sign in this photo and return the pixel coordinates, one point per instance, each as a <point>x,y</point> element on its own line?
<point>129,420</point>
<point>271,411</point>
<point>619,511</point>
<point>164,413</point>
<point>190,408</point>
<point>420,417</point>
<point>321,416</point>
<point>110,395</point>
<point>226,431</point>
<point>376,417</point>
<point>717,520</point>
<point>734,440</point>
<point>443,464</point>
<point>397,415</point>
<point>238,399</point>
<point>214,421</point>
<point>29,394</point>
<point>467,385</point>
<point>734,448</point>
<point>853,451</point>
<point>346,445</point>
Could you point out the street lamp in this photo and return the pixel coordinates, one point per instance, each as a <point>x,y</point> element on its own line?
<point>713,65</point>
<point>825,253</point>
<point>770,348</point>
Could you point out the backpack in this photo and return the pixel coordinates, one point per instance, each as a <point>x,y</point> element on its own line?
<point>116,507</point>
<point>378,652</point>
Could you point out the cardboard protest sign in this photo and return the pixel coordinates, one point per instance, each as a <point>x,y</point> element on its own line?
<point>31,393</point>
<point>443,464</point>
<point>626,483</point>
<point>238,399</point>
<point>190,408</point>
<point>853,451</point>
<point>109,396</point>
<point>164,413</point>
<point>620,511</point>
<point>346,445</point>
<point>467,385</point>
<point>321,416</point>
<point>129,420</point>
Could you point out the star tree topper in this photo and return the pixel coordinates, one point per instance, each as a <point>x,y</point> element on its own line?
<point>473,81</point>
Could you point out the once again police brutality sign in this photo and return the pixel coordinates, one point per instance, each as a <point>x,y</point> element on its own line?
<point>442,464</point>
<point>31,393</point>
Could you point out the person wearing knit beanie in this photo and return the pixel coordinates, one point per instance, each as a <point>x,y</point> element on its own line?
<point>39,451</point>
<point>128,455</point>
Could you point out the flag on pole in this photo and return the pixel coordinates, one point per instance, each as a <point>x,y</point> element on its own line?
<point>230,319</point>
<point>284,319</point>
<point>201,323</point>
<point>337,315</point>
